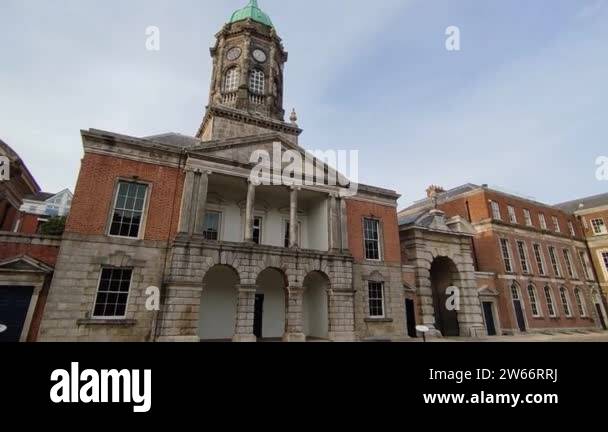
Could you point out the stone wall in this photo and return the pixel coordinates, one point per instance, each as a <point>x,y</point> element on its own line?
<point>190,261</point>
<point>69,308</point>
<point>393,324</point>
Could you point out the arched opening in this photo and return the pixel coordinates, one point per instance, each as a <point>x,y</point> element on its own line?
<point>231,80</point>
<point>270,302</point>
<point>316,306</point>
<point>218,303</point>
<point>444,274</point>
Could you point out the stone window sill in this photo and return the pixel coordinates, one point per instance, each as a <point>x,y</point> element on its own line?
<point>107,322</point>
<point>378,320</point>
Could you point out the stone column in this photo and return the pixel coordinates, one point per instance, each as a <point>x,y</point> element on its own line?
<point>201,204</point>
<point>293,218</point>
<point>249,212</point>
<point>334,234</point>
<point>294,322</point>
<point>245,311</point>
<point>184,216</point>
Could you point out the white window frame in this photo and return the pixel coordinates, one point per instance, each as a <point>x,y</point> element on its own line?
<point>380,239</point>
<point>565,299</point>
<point>528,218</point>
<point>571,228</point>
<point>231,80</point>
<point>556,226</point>
<point>569,264</point>
<point>543,221</point>
<point>219,225</point>
<point>583,257</point>
<point>495,206</point>
<point>369,300</point>
<point>540,259</point>
<point>550,300</point>
<point>524,262</point>
<point>257,82</point>
<point>512,214</point>
<point>599,226</point>
<point>112,318</point>
<point>603,257</point>
<point>532,295</point>
<point>144,212</point>
<point>555,264</point>
<point>506,253</point>
<point>260,228</point>
<point>580,303</point>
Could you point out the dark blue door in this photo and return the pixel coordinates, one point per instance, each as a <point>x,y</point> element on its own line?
<point>14,303</point>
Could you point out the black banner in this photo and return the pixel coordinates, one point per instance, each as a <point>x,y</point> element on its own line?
<point>205,379</point>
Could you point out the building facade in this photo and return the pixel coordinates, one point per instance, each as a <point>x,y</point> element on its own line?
<point>533,269</point>
<point>27,258</point>
<point>232,260</point>
<point>592,214</point>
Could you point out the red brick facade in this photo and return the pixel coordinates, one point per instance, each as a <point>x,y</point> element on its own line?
<point>357,211</point>
<point>96,188</point>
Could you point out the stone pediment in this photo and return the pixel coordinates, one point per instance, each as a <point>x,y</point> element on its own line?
<point>25,264</point>
<point>249,151</point>
<point>487,291</point>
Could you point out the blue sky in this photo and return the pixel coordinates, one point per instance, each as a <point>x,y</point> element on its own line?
<point>521,106</point>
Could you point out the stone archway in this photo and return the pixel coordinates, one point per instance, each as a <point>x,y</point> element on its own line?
<point>270,304</point>
<point>315,305</point>
<point>444,274</point>
<point>219,303</point>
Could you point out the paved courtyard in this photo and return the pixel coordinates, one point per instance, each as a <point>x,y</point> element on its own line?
<point>597,336</point>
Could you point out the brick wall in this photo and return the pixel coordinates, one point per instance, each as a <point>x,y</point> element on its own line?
<point>95,192</point>
<point>42,248</point>
<point>358,210</point>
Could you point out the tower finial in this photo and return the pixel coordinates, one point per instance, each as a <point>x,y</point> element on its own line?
<point>294,117</point>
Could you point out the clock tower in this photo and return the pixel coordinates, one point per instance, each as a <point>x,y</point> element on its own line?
<point>246,94</point>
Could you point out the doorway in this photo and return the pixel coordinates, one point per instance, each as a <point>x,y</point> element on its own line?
<point>14,305</point>
<point>488,314</point>
<point>444,274</point>
<point>410,317</point>
<point>258,316</point>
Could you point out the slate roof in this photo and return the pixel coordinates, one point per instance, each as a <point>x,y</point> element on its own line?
<point>174,139</point>
<point>587,203</point>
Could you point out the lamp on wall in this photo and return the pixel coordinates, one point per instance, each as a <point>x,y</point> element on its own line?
<point>3,328</point>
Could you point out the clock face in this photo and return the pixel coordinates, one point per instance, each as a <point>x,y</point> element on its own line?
<point>259,55</point>
<point>233,53</point>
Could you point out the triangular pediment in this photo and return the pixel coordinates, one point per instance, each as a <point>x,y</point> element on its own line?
<point>25,264</point>
<point>250,151</point>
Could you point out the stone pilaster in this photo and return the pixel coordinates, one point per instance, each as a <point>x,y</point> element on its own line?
<point>249,213</point>
<point>186,210</point>
<point>342,316</point>
<point>293,218</point>
<point>245,314</point>
<point>201,204</point>
<point>294,324</point>
<point>180,317</point>
<point>334,225</point>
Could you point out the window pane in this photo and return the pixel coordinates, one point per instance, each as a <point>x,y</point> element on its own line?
<point>128,210</point>
<point>112,293</point>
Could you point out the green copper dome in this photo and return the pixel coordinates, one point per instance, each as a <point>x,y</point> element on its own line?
<point>251,11</point>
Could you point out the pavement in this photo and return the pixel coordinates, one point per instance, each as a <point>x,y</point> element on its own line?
<point>570,336</point>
